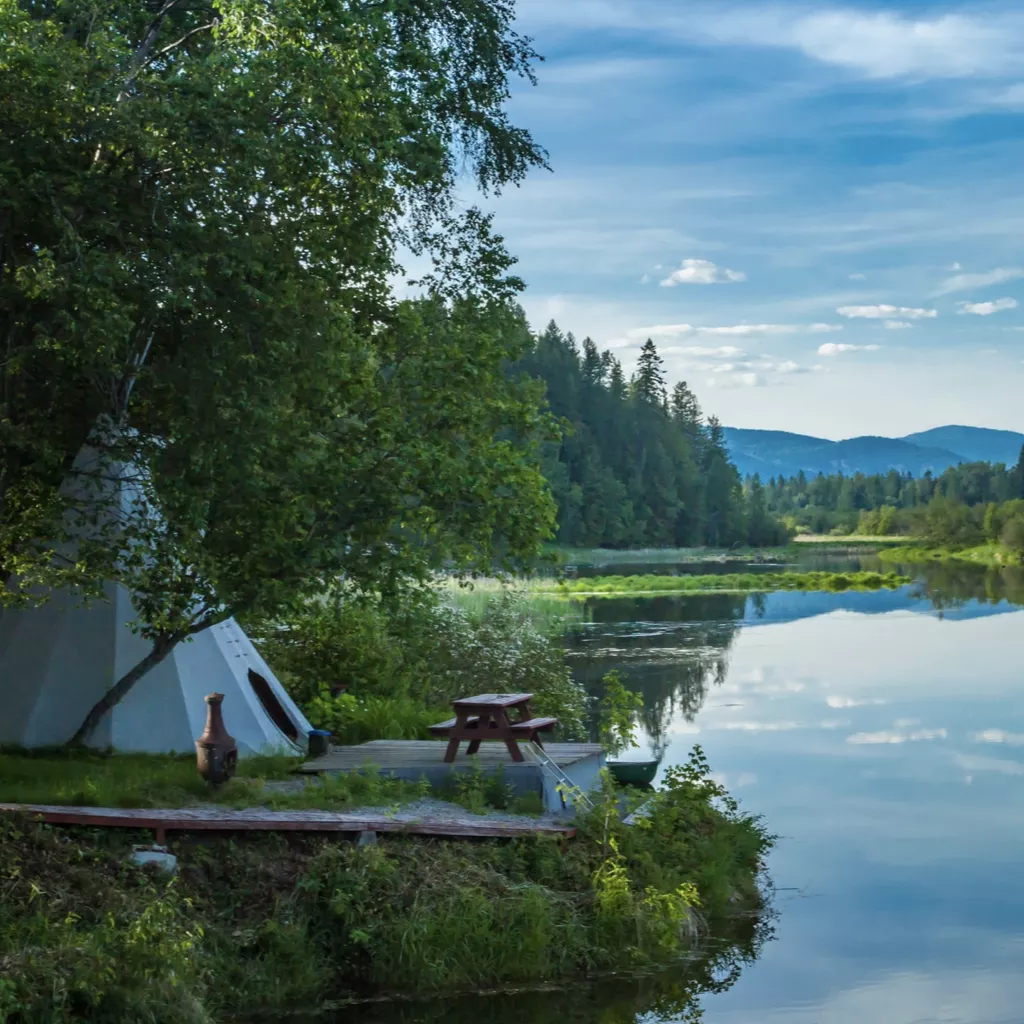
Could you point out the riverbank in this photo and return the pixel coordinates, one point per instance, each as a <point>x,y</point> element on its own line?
<point>272,925</point>
<point>993,556</point>
<point>562,557</point>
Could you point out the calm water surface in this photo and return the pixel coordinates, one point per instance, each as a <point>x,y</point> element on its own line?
<point>881,736</point>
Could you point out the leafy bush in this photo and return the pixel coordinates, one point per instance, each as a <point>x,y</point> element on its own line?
<point>399,665</point>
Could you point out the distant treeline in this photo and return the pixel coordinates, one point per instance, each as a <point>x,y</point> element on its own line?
<point>968,504</point>
<point>639,466</point>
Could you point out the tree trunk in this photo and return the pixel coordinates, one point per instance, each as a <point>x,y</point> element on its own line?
<point>161,648</point>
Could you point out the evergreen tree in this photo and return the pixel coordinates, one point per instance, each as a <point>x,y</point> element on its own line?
<point>649,380</point>
<point>594,367</point>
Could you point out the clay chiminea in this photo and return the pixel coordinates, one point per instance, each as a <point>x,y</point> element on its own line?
<point>216,753</point>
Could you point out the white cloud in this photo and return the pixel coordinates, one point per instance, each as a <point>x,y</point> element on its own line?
<point>955,266</point>
<point>702,272</point>
<point>728,330</point>
<point>858,277</point>
<point>660,331</point>
<point>875,44</point>
<point>897,325</point>
<point>987,308</point>
<point>704,351</point>
<point>963,282</point>
<point>1011,739</point>
<point>831,348</point>
<point>852,702</point>
<point>751,329</point>
<point>884,312</point>
<point>645,279</point>
<point>892,736</point>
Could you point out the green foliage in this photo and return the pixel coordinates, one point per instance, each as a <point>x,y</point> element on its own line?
<point>202,206</point>
<point>600,586</point>
<point>274,923</point>
<point>894,503</point>
<point>84,936</point>
<point>402,662</point>
<point>480,791</point>
<point>87,779</point>
<point>635,469</point>
<point>617,714</point>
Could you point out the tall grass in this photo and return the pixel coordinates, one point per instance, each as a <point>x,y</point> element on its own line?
<point>549,614</point>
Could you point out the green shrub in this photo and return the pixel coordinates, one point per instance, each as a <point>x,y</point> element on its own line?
<point>402,663</point>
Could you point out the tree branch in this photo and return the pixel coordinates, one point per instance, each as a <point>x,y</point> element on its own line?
<point>183,39</point>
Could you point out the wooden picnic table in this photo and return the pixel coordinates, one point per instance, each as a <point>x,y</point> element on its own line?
<point>492,716</point>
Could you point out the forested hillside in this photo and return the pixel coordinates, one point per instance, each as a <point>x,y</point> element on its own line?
<point>638,465</point>
<point>893,502</point>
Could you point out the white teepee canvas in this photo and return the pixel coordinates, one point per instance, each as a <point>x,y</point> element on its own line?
<point>59,658</point>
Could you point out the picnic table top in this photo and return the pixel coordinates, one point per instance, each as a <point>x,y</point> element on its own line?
<point>494,700</point>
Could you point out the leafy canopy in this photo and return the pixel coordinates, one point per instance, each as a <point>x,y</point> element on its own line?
<point>202,206</point>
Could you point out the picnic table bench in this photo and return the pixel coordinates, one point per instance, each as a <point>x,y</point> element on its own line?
<point>487,717</point>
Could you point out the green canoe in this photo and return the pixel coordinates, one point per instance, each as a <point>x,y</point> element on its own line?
<point>634,773</point>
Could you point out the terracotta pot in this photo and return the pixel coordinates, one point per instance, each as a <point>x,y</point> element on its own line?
<point>216,753</point>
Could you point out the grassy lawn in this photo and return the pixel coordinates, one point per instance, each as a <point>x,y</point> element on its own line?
<point>85,779</point>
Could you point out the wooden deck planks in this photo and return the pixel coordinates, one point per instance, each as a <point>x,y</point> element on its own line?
<point>257,819</point>
<point>406,754</point>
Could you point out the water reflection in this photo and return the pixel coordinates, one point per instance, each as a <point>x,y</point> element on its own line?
<point>882,736</point>
<point>673,996</point>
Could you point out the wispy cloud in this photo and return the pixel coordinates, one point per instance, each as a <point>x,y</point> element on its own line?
<point>702,272</point>
<point>852,702</point>
<point>729,330</point>
<point>831,348</point>
<point>894,736</point>
<point>897,325</point>
<point>1011,739</point>
<point>884,312</point>
<point>964,282</point>
<point>875,44</point>
<point>987,308</point>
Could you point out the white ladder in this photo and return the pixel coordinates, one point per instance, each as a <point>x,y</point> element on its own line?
<point>565,784</point>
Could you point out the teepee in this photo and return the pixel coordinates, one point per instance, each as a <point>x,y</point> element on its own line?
<point>58,658</point>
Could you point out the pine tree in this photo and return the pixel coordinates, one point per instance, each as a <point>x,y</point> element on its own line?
<point>616,380</point>
<point>649,380</point>
<point>686,410</point>
<point>594,366</point>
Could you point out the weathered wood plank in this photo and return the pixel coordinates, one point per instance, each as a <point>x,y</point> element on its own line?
<point>257,819</point>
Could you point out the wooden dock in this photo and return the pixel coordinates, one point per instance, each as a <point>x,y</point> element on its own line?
<point>410,756</point>
<point>455,824</point>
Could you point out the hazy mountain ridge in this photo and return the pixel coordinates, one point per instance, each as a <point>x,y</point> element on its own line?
<point>779,453</point>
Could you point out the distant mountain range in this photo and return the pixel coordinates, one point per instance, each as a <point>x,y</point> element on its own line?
<point>777,453</point>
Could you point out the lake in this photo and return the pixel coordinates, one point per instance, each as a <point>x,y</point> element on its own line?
<point>881,736</point>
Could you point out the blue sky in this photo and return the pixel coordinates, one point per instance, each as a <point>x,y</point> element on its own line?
<point>816,211</point>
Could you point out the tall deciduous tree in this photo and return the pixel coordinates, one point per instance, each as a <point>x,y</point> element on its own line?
<point>201,207</point>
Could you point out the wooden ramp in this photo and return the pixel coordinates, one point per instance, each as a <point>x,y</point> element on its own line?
<point>454,824</point>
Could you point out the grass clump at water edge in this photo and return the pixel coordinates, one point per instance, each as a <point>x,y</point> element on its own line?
<point>598,586</point>
<point>275,924</point>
